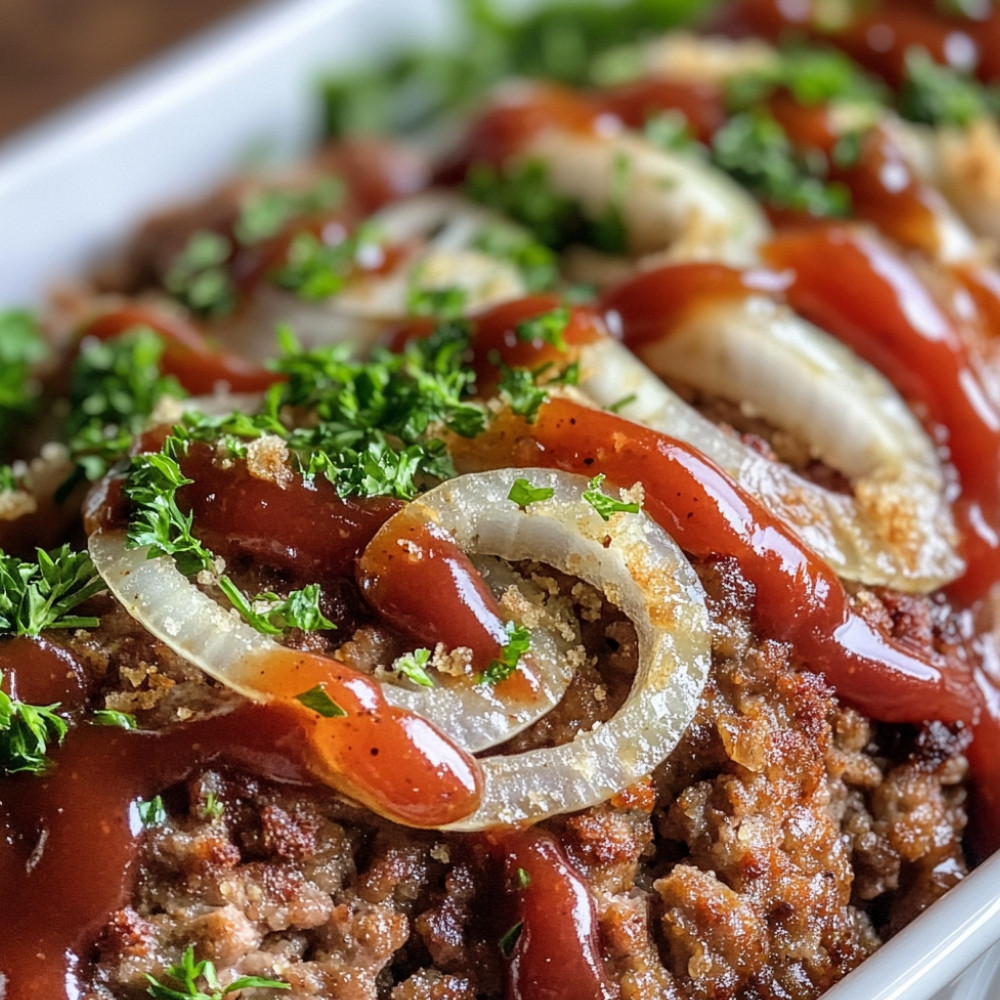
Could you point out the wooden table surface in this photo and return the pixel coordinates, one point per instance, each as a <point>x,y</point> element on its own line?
<point>54,50</point>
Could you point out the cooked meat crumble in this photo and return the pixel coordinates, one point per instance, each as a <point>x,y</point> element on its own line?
<point>777,847</point>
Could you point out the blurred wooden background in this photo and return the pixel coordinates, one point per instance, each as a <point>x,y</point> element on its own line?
<point>54,50</point>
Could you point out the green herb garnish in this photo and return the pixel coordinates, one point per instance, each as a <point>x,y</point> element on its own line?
<point>606,505</point>
<point>25,734</point>
<point>265,213</point>
<point>116,720</point>
<point>547,328</point>
<point>320,702</point>
<point>413,666</point>
<point>152,813</point>
<point>518,643</point>
<point>186,974</point>
<point>524,494</point>
<point>198,278</point>
<point>39,595</point>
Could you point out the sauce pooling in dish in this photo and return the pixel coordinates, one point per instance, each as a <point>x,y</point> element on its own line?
<point>669,465</point>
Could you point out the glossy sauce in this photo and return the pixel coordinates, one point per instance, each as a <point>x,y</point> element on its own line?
<point>188,356</point>
<point>305,528</point>
<point>893,321</point>
<point>388,758</point>
<point>878,36</point>
<point>415,575</point>
<point>69,840</point>
<point>37,671</point>
<point>557,955</point>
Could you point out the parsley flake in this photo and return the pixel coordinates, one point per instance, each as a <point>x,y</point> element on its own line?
<point>186,973</point>
<point>25,734</point>
<point>198,278</point>
<point>413,666</point>
<point>604,504</point>
<point>152,812</point>
<point>320,702</point>
<point>315,270</point>
<point>39,595</point>
<point>264,214</point>
<point>21,348</point>
<point>509,939</point>
<point>116,720</point>
<point>518,643</point>
<point>523,493</point>
<point>547,328</point>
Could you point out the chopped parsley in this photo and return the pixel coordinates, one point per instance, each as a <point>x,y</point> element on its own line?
<point>21,348</point>
<point>670,131</point>
<point>536,263</point>
<point>213,807</point>
<point>116,720</point>
<point>198,278</point>
<point>264,214</point>
<point>152,812</point>
<point>25,734</point>
<point>604,504</point>
<point>114,387</point>
<point>271,615</point>
<point>524,191</point>
<point>320,702</point>
<point>186,974</point>
<point>40,595</point>
<point>523,394</point>
<point>811,75</point>
<point>158,522</point>
<point>413,666</point>
<point>445,303</point>
<point>314,270</point>
<point>755,150</point>
<point>559,41</point>
<point>547,328</point>
<point>524,494</point>
<point>518,643</point>
<point>940,95</point>
<point>509,939</point>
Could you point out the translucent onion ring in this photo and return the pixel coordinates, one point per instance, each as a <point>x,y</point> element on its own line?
<point>896,530</point>
<point>663,197</point>
<point>476,715</point>
<point>436,232</point>
<point>640,570</point>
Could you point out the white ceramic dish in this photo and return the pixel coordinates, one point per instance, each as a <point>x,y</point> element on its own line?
<point>73,185</point>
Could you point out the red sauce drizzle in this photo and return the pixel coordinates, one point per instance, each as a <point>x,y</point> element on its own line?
<point>884,189</point>
<point>188,355</point>
<point>703,105</point>
<point>892,321</point>
<point>799,598</point>
<point>557,955</point>
<point>421,581</point>
<point>385,757</point>
<point>69,840</point>
<point>39,672</point>
<point>506,127</point>
<point>305,528</point>
<point>878,36</point>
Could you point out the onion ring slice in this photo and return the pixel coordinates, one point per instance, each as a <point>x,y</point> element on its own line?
<point>642,571</point>
<point>897,530</point>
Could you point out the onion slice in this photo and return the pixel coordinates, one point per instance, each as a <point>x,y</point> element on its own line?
<point>435,234</point>
<point>642,571</point>
<point>896,530</point>
<point>629,557</point>
<point>667,201</point>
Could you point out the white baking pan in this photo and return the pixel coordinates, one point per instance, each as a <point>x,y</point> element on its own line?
<point>72,187</point>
